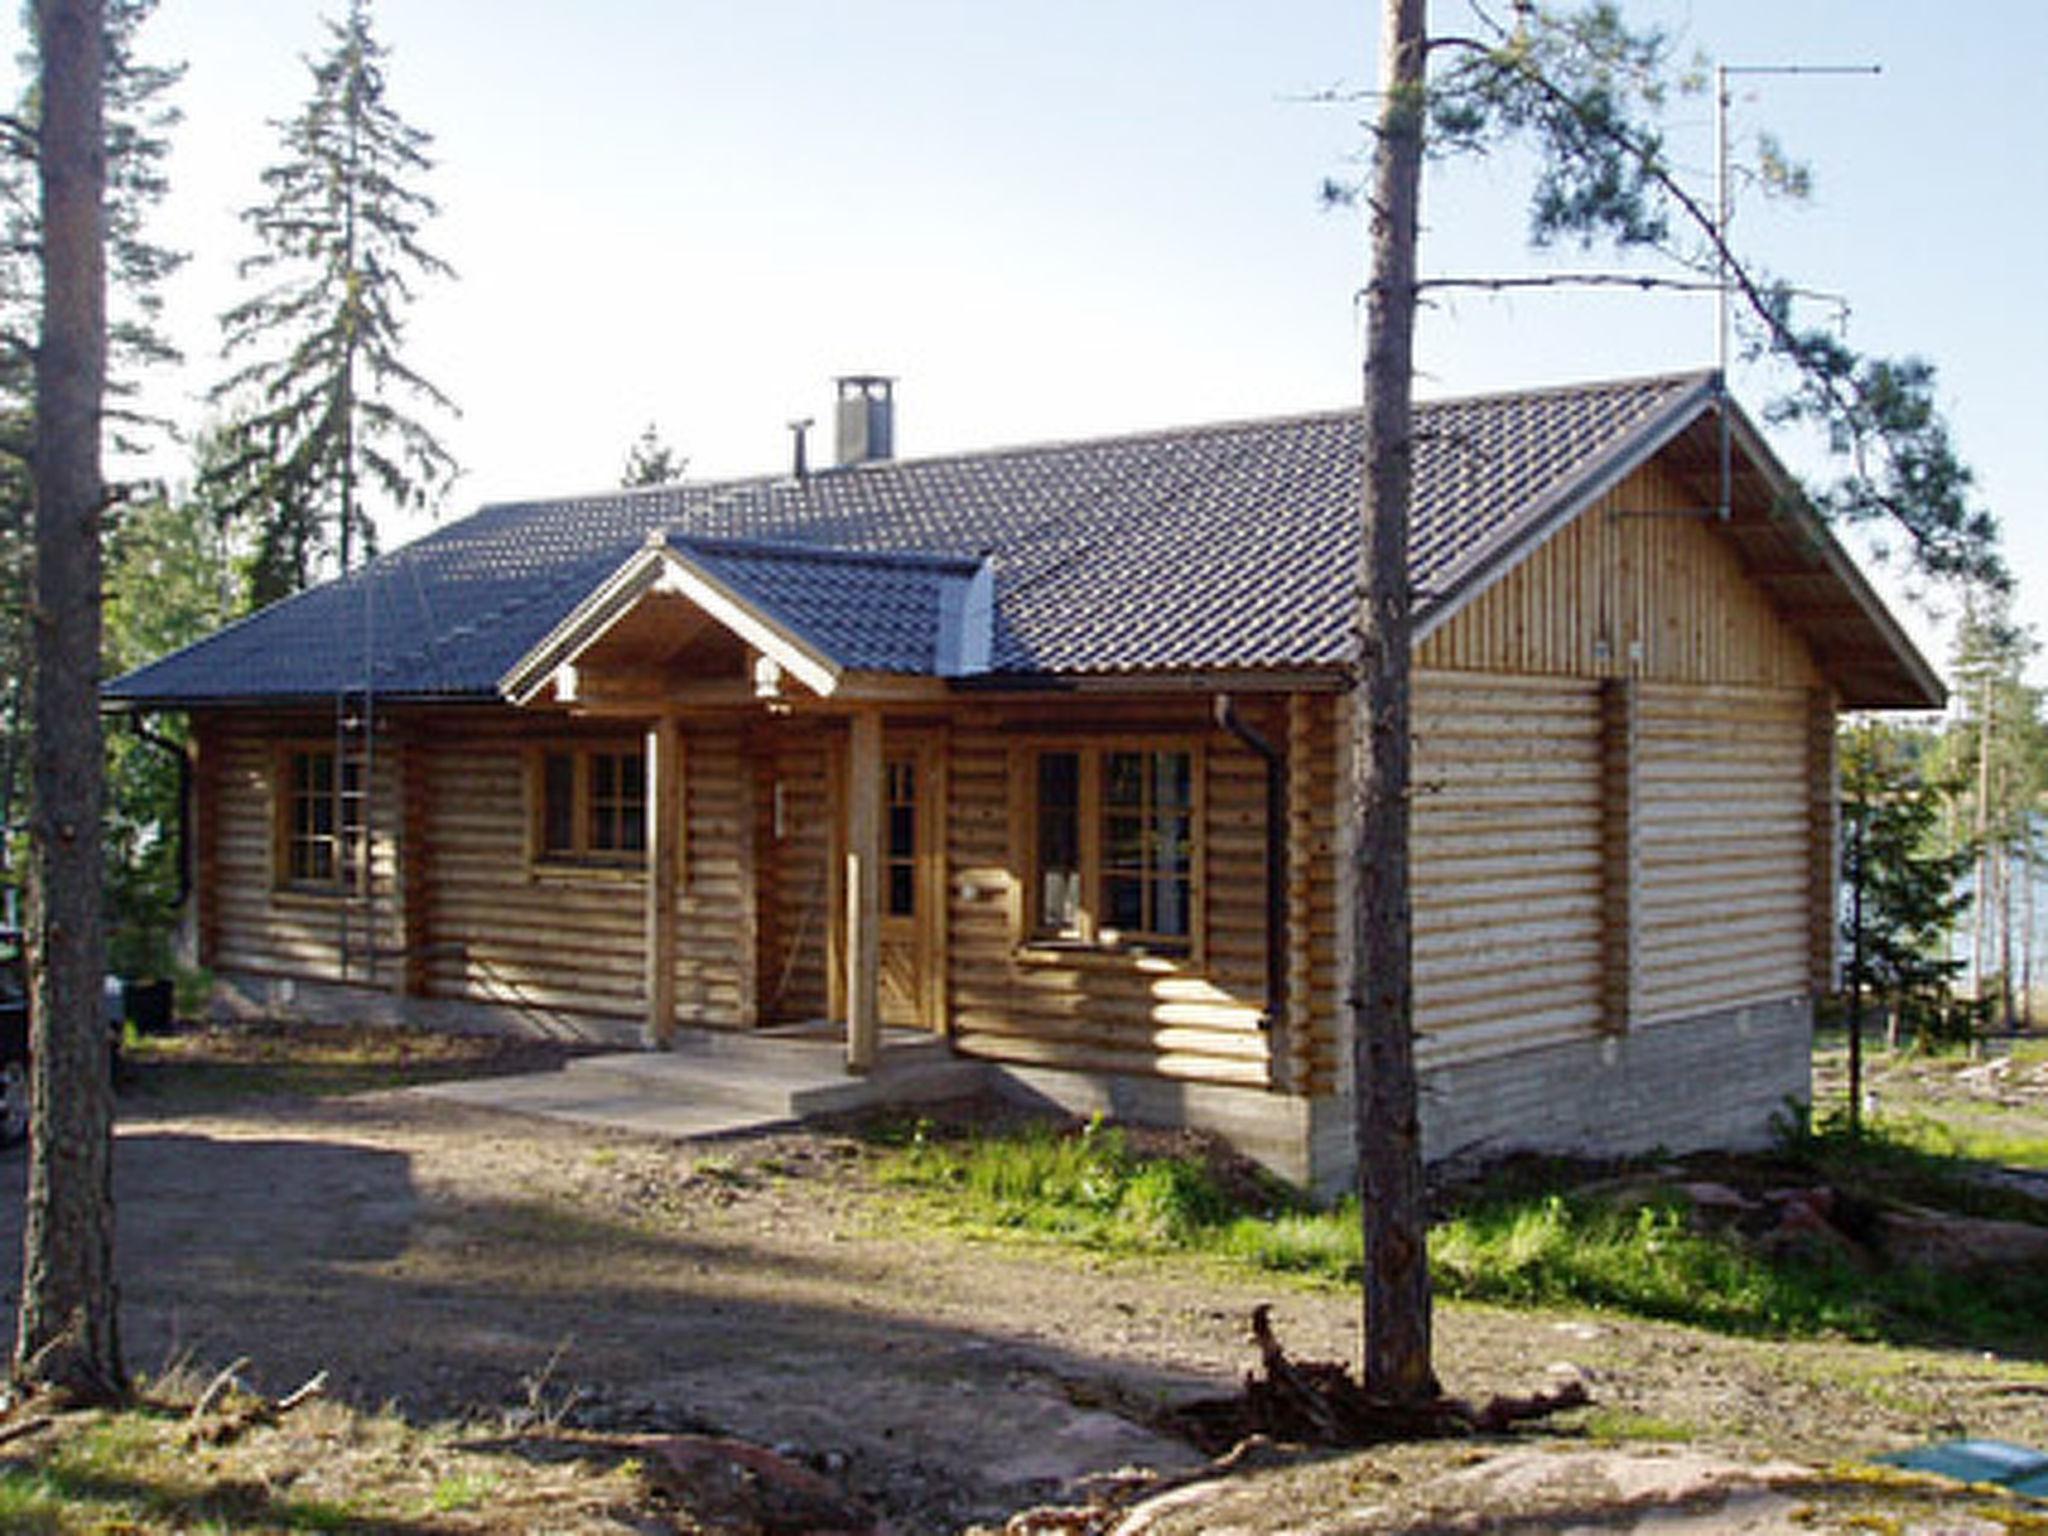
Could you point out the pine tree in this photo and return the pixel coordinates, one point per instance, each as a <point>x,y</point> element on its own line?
<point>68,1340</point>
<point>1585,90</point>
<point>322,409</point>
<point>138,115</point>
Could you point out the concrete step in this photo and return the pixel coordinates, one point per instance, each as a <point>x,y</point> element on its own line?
<point>780,1078</point>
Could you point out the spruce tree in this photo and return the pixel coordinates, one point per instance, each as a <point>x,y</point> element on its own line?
<point>651,461</point>
<point>323,407</point>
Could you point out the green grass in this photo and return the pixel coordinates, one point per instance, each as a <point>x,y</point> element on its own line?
<point>116,1477</point>
<point>1525,1240</point>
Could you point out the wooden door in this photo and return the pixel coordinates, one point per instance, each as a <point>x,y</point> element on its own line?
<point>912,885</point>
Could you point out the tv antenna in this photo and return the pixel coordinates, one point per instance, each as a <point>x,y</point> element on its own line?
<point>1723,211</point>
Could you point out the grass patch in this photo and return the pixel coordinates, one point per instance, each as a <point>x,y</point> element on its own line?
<point>1526,1239</point>
<point>326,1469</point>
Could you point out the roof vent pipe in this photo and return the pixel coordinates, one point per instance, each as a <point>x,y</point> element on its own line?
<point>867,419</point>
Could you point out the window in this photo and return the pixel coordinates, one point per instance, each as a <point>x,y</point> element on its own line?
<point>899,870</point>
<point>322,833</point>
<point>591,805</point>
<point>1114,845</point>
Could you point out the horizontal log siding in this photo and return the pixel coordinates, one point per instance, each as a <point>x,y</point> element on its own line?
<point>1507,862</point>
<point>1192,1019</point>
<point>575,940</point>
<point>796,897</point>
<point>1622,591</point>
<point>570,941</point>
<point>1725,832</point>
<point>715,958</point>
<point>257,924</point>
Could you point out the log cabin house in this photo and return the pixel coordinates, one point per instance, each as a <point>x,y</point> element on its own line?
<point>1044,750</point>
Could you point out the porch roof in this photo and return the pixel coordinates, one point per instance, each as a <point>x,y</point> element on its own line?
<point>817,613</point>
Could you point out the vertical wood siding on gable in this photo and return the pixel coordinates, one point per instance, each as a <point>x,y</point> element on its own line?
<point>1635,586</point>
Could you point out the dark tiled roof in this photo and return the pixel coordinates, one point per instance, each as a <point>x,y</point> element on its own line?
<point>868,612</point>
<point>1223,547</point>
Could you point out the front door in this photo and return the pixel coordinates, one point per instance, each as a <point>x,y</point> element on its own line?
<point>912,887</point>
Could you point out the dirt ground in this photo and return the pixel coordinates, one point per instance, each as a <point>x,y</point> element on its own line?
<point>458,1263</point>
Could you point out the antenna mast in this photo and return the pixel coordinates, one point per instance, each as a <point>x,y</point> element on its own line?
<point>1724,209</point>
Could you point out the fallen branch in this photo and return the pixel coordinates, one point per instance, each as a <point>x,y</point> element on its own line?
<point>1319,1403</point>
<point>224,1382</point>
<point>21,1429</point>
<point>314,1386</point>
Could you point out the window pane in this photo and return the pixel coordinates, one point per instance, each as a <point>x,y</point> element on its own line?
<point>1123,842</point>
<point>558,808</point>
<point>1173,780</point>
<point>902,892</point>
<point>1170,904</point>
<point>1174,848</point>
<point>1123,901</point>
<point>1059,842</point>
<point>1123,779</point>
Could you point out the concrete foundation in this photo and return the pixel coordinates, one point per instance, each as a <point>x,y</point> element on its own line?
<point>243,995</point>
<point>1717,1080</point>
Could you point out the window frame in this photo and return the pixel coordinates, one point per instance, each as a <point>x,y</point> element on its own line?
<point>584,853</point>
<point>350,840</point>
<point>1090,931</point>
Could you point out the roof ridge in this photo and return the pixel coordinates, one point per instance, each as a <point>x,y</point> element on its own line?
<point>688,491</point>
<point>800,550</point>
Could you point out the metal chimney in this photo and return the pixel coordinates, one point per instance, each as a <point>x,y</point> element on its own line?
<point>867,419</point>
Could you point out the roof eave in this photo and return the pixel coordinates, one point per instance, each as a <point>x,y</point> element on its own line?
<point>1923,688</point>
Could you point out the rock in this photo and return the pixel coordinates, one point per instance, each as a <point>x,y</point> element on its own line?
<point>1942,1240</point>
<point>1704,1195</point>
<point>726,1484</point>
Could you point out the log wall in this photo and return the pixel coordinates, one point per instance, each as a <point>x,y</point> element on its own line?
<point>251,920</point>
<point>1508,863</point>
<point>1726,847</point>
<point>1195,1017</point>
<point>473,918</point>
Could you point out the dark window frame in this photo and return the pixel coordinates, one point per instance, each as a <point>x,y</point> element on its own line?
<point>1095,850</point>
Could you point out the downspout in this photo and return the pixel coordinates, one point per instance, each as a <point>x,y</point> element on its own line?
<point>1229,719</point>
<point>178,755</point>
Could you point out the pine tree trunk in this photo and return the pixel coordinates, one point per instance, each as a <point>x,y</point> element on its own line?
<point>1379,992</point>
<point>68,1339</point>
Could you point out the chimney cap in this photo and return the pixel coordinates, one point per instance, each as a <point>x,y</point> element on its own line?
<point>866,418</point>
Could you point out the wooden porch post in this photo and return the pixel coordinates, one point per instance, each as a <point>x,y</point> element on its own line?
<point>864,891</point>
<point>664,825</point>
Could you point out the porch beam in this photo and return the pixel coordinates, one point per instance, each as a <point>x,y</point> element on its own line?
<point>664,837</point>
<point>864,891</point>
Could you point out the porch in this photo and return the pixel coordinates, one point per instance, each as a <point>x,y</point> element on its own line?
<point>719,1083</point>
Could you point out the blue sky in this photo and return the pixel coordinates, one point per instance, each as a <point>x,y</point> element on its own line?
<point>1078,216</point>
